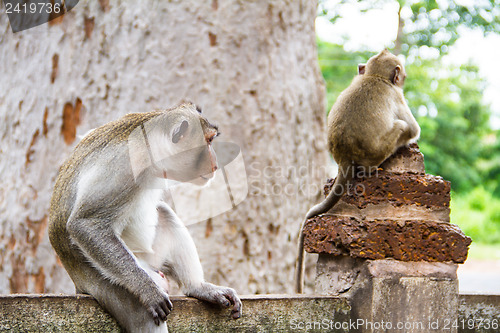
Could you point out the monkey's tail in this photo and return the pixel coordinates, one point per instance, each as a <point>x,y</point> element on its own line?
<point>344,176</point>
<point>299,268</point>
<point>339,187</point>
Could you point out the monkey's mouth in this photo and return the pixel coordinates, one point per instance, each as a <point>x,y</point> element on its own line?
<point>202,180</point>
<point>208,176</point>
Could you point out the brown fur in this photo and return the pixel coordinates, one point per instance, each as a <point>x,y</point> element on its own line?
<point>369,121</point>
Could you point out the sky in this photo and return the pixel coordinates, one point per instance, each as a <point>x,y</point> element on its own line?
<point>351,31</point>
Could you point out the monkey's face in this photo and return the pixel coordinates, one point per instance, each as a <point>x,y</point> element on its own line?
<point>191,157</point>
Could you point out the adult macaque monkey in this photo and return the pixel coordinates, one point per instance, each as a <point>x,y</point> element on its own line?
<point>112,231</point>
<point>369,121</point>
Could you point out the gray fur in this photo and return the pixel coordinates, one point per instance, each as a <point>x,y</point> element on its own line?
<point>111,229</point>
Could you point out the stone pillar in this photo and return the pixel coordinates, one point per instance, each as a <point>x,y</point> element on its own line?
<point>389,247</point>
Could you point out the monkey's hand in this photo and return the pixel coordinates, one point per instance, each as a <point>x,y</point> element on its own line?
<point>223,296</point>
<point>158,305</point>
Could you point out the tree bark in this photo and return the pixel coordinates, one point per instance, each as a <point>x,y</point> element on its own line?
<point>398,43</point>
<point>251,66</point>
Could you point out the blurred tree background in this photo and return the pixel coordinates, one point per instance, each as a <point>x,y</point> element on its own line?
<point>104,59</point>
<point>457,137</point>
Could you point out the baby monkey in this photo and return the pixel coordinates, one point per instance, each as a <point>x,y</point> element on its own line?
<point>369,121</point>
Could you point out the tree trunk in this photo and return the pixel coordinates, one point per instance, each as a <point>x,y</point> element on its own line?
<point>251,66</point>
<point>398,43</point>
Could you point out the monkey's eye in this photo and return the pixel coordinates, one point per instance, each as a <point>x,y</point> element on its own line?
<point>210,136</point>
<point>180,131</point>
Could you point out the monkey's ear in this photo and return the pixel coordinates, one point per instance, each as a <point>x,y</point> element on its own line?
<point>180,131</point>
<point>397,79</point>
<point>361,69</point>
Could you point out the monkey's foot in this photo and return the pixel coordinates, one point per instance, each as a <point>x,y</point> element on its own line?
<point>223,296</point>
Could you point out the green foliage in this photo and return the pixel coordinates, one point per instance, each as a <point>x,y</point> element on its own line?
<point>447,102</point>
<point>435,23</point>
<point>489,163</point>
<point>478,215</point>
<point>338,68</point>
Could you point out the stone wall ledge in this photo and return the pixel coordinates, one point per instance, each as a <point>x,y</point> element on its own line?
<point>81,313</point>
<point>264,313</point>
<point>479,313</point>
